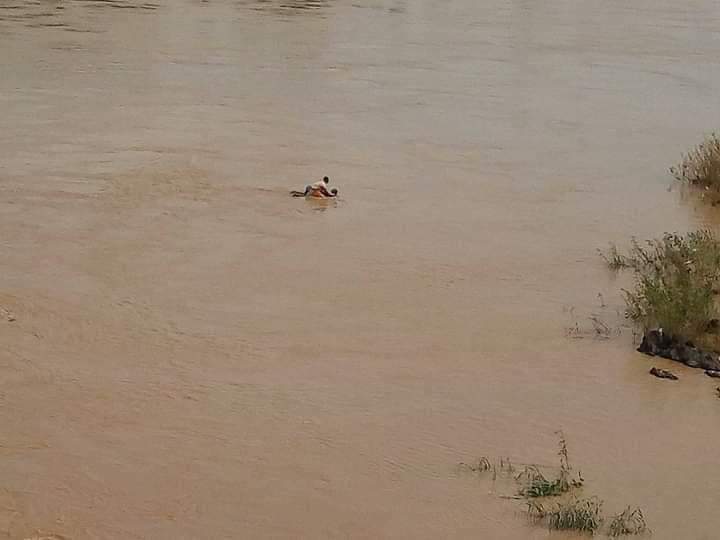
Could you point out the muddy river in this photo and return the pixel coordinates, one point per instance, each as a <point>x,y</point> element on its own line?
<point>188,352</point>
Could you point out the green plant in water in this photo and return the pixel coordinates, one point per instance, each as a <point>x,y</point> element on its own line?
<point>584,515</point>
<point>630,521</point>
<point>578,514</point>
<point>701,166</point>
<point>536,484</point>
<point>676,280</point>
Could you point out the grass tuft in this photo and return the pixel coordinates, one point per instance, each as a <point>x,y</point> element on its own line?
<point>630,521</point>
<point>701,167</point>
<point>578,514</point>
<point>536,484</point>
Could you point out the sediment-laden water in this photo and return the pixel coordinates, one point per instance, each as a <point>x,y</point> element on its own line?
<point>195,354</point>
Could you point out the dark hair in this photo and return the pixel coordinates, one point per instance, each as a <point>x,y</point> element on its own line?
<point>326,179</point>
<point>334,191</point>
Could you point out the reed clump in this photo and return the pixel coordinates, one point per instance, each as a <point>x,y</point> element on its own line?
<point>701,167</point>
<point>584,515</point>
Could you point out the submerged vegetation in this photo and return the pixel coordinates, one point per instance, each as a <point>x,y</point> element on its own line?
<point>531,480</point>
<point>602,324</point>
<point>586,515</point>
<point>583,515</point>
<point>567,511</point>
<point>701,167</point>
<point>676,281</point>
<point>536,484</point>
<point>629,521</point>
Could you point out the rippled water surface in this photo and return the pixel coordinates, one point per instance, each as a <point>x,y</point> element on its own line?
<point>197,355</point>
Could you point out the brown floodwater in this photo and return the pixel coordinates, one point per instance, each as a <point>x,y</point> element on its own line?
<point>195,354</point>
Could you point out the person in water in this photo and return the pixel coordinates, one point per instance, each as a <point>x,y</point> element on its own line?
<point>317,190</point>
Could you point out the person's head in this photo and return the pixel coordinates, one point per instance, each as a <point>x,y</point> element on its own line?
<point>326,179</point>
<point>334,192</point>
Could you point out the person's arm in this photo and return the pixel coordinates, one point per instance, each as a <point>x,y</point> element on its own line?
<point>325,191</point>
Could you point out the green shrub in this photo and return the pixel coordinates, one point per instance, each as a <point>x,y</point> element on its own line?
<point>676,281</point>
